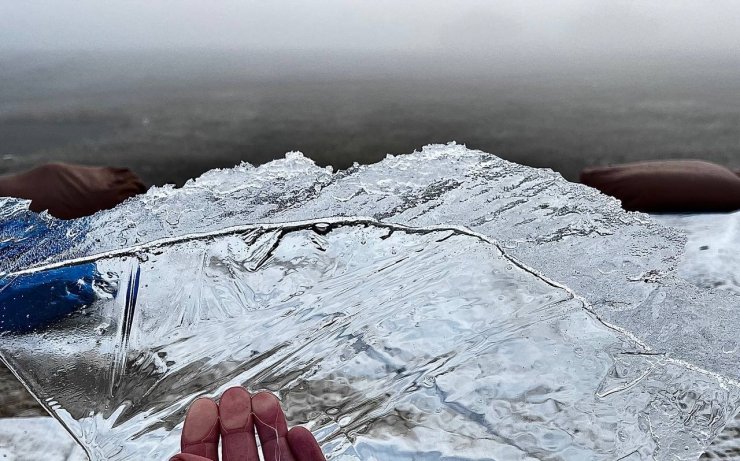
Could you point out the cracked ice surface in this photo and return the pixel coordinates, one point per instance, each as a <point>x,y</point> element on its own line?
<point>492,310</point>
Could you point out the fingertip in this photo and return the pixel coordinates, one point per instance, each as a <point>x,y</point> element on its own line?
<point>303,445</point>
<point>237,425</point>
<point>201,416</point>
<point>300,433</point>
<point>269,417</point>
<point>235,409</point>
<point>201,431</point>
<point>266,406</point>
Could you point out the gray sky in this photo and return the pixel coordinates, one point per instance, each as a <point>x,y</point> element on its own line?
<point>461,26</point>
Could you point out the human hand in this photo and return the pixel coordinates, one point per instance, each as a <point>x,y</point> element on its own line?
<point>233,421</point>
<point>72,191</point>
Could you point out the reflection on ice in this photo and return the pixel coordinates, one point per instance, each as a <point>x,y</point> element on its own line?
<point>554,329</point>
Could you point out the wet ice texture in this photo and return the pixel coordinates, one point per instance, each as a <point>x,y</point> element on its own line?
<point>712,260</point>
<point>433,342</point>
<point>712,255</point>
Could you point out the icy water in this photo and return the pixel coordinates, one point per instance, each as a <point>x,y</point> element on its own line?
<point>495,308</point>
<point>173,116</point>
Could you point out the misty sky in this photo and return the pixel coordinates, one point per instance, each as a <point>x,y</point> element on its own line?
<point>423,26</point>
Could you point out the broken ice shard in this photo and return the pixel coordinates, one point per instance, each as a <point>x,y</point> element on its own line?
<point>494,309</point>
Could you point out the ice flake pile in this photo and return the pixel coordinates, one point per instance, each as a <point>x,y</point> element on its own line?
<point>445,304</point>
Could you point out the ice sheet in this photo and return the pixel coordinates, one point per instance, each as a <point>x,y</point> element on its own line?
<point>712,260</point>
<point>623,359</point>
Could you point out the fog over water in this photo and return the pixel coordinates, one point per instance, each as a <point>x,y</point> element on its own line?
<point>175,88</point>
<point>474,27</point>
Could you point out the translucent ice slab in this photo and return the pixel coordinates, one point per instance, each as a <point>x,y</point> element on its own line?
<point>712,260</point>
<point>483,310</point>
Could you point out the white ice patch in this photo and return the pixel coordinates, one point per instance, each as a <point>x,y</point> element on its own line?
<point>38,438</point>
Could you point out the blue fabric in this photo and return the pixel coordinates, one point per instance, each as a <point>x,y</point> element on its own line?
<point>34,301</point>
<point>28,239</point>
